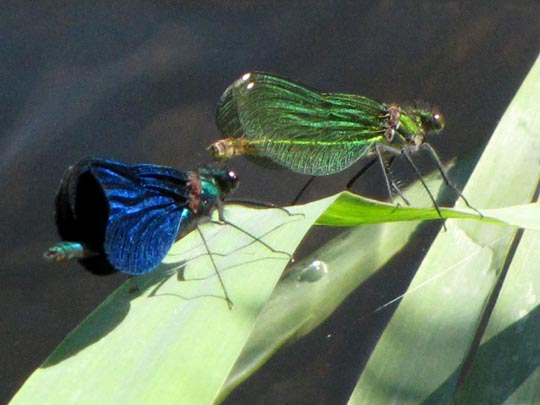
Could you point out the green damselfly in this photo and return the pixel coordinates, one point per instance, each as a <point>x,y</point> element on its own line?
<point>316,133</point>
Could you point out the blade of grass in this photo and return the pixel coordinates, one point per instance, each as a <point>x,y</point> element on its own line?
<point>297,307</point>
<point>422,351</point>
<point>299,304</point>
<point>505,369</point>
<point>125,341</point>
<point>351,209</point>
<point>179,345</point>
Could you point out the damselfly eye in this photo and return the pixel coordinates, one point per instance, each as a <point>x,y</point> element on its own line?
<point>437,121</point>
<point>232,181</point>
<point>232,176</point>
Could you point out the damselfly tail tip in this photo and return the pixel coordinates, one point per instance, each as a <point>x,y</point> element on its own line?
<point>63,251</point>
<point>53,254</point>
<point>216,150</point>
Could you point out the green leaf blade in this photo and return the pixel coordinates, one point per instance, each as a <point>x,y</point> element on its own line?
<point>179,345</point>
<point>421,354</point>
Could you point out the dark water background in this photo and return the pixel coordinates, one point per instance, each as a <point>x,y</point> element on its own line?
<point>139,82</point>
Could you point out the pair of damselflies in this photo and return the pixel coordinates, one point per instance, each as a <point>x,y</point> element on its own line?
<point>118,217</point>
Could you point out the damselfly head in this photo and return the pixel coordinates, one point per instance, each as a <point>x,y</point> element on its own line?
<point>437,121</point>
<point>227,180</point>
<point>434,122</point>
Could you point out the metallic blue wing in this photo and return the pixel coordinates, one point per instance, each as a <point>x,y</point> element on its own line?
<point>127,216</point>
<point>148,207</point>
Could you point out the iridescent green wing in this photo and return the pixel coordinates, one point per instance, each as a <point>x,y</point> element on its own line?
<point>297,127</point>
